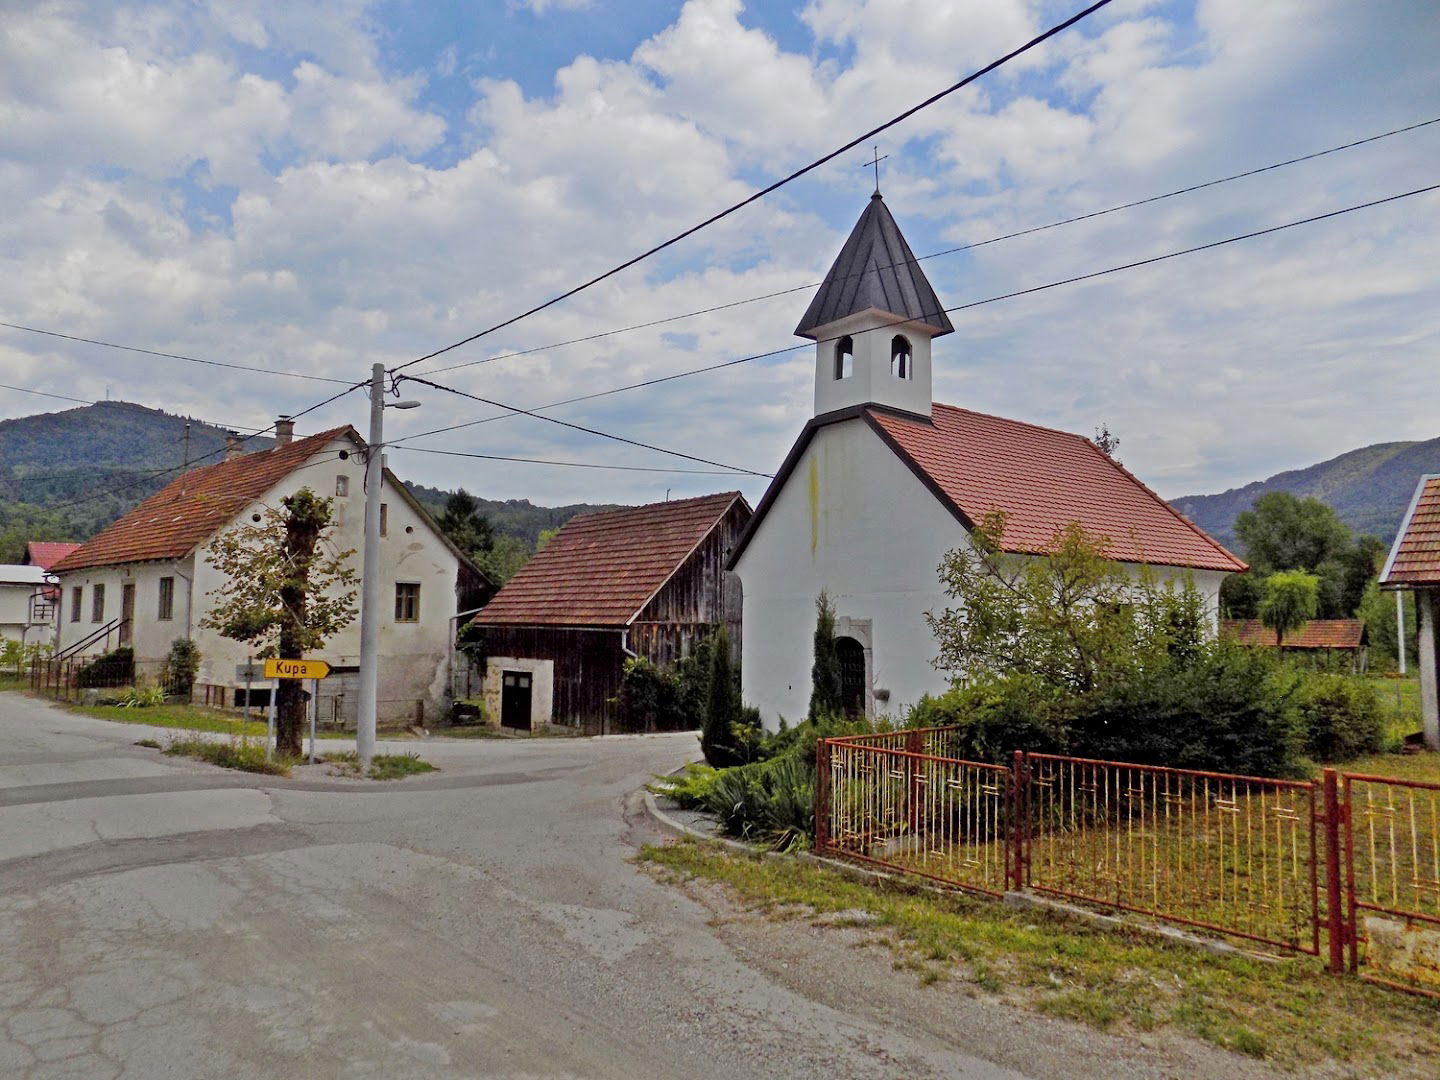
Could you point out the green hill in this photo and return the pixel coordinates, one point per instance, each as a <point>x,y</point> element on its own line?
<point>1369,488</point>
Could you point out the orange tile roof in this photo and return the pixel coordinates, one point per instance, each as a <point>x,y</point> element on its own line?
<point>1315,634</point>
<point>46,553</point>
<point>1415,556</point>
<point>1043,480</point>
<point>601,569</point>
<point>194,506</point>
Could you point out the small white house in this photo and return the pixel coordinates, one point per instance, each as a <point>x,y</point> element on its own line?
<point>26,605</point>
<point>883,481</point>
<point>145,581</point>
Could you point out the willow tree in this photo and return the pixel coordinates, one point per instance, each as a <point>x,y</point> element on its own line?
<point>287,591</point>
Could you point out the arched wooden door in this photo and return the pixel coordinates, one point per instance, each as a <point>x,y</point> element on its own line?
<point>851,656</point>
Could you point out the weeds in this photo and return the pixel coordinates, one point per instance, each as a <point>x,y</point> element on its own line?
<point>382,766</point>
<point>238,754</point>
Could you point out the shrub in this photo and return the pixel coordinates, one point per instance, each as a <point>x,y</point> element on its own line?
<point>690,789</point>
<point>181,667</point>
<point>996,716</point>
<point>648,698</point>
<point>773,801</point>
<point>116,668</point>
<point>140,697</point>
<point>1339,718</point>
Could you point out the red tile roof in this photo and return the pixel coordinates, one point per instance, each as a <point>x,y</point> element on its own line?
<point>1315,634</point>
<point>194,506</point>
<point>1415,557</point>
<point>1043,480</point>
<point>601,569</point>
<point>46,553</point>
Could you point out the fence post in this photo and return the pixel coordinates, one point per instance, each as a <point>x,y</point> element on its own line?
<point>1019,778</point>
<point>1334,913</point>
<point>822,795</point>
<point>914,744</point>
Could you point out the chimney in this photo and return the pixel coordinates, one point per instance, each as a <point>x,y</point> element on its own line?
<point>284,430</point>
<point>232,445</point>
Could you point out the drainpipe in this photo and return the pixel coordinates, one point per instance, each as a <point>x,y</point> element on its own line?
<point>625,645</point>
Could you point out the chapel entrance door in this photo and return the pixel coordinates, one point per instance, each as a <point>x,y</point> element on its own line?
<point>851,656</point>
<point>515,700</point>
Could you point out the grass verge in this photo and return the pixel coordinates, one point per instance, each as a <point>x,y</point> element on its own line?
<point>1289,1012</point>
<point>382,766</point>
<point>244,755</point>
<point>188,718</point>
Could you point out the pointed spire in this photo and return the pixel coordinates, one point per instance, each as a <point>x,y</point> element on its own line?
<point>875,270</point>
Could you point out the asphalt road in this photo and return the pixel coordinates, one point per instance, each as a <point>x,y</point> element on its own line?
<point>161,918</point>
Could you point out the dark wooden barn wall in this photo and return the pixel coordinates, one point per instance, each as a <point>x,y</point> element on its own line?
<point>696,598</point>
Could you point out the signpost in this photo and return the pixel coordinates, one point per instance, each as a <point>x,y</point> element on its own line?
<point>314,670</point>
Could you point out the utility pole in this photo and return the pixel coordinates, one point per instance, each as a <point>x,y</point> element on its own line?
<point>370,603</point>
<point>370,573</point>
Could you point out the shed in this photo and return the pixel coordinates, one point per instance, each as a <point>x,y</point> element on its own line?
<point>1344,636</point>
<point>643,581</point>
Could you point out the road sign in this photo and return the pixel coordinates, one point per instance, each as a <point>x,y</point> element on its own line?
<point>250,672</point>
<point>296,669</point>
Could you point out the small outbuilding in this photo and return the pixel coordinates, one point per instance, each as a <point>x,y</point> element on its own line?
<point>1414,564</point>
<point>645,581</point>
<point>1341,637</point>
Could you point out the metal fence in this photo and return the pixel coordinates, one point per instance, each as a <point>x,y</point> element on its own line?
<point>68,679</point>
<point>1347,865</point>
<point>1392,862</point>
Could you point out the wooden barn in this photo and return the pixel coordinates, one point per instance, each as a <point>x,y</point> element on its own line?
<point>644,581</point>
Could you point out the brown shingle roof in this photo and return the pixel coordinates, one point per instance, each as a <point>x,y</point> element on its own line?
<point>601,569</point>
<point>1043,480</point>
<point>1415,556</point>
<point>1315,634</point>
<point>194,506</point>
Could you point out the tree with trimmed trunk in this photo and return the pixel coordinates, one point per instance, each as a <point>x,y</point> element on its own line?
<point>283,594</point>
<point>1289,601</point>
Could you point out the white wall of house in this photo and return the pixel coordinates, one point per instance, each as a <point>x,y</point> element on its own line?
<point>854,520</point>
<point>414,656</point>
<point>17,617</point>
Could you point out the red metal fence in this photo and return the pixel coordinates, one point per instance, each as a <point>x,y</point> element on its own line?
<point>1349,862</point>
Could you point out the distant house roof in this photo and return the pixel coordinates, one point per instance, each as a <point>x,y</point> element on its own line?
<point>875,270</point>
<point>1040,478</point>
<point>194,506</point>
<point>1415,555</point>
<point>602,569</point>
<point>1315,634</point>
<point>21,574</point>
<point>45,554</point>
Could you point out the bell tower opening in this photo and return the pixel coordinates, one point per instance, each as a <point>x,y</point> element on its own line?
<point>901,364</point>
<point>845,357</point>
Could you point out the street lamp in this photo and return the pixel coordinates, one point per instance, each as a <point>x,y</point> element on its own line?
<point>370,568</point>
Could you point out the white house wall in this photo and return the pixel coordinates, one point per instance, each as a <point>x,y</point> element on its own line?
<point>854,520</point>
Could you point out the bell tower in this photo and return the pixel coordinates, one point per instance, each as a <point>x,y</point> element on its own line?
<point>872,322</point>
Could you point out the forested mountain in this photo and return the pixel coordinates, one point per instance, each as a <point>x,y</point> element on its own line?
<point>66,475</point>
<point>1369,489</point>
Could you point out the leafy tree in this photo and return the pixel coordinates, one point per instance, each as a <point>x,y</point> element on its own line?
<point>467,528</point>
<point>1107,441</point>
<point>1290,600</point>
<point>825,670</point>
<point>1284,532</point>
<point>1378,610</point>
<point>283,593</point>
<point>12,655</point>
<point>506,556</point>
<point>546,535</point>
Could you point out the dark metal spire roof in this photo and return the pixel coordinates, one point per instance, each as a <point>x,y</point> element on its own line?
<point>875,269</point>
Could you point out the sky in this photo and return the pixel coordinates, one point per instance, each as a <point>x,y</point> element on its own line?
<point>316,187</point>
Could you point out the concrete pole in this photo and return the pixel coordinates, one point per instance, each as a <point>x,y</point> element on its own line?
<point>370,574</point>
<point>1429,703</point>
<point>1400,626</point>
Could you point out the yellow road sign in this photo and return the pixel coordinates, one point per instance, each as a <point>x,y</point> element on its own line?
<point>296,669</point>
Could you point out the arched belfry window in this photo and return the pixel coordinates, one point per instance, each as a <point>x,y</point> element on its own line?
<point>844,357</point>
<point>901,364</point>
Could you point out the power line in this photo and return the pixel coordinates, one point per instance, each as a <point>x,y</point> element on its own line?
<point>581,427</point>
<point>1090,215</point>
<point>1032,43</point>
<point>567,464</point>
<point>45,393</point>
<point>950,310</point>
<point>171,356</point>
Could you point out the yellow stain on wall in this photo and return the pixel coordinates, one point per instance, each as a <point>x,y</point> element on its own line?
<point>814,489</point>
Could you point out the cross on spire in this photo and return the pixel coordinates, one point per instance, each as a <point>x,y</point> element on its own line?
<point>875,164</point>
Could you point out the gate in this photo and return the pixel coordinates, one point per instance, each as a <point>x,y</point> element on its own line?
<point>1392,881</point>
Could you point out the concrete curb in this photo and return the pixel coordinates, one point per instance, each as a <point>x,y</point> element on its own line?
<point>1017,900</point>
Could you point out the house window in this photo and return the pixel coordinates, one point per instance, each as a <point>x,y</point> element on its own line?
<point>384,519</point>
<point>342,486</point>
<point>167,598</point>
<point>75,594</point>
<point>845,357</point>
<point>407,601</point>
<point>900,363</point>
<point>97,604</point>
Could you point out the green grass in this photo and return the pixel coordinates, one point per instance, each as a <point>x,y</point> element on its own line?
<point>244,755</point>
<point>1399,703</point>
<point>187,718</point>
<point>382,766</point>
<point>14,682</point>
<point>1289,1012</point>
